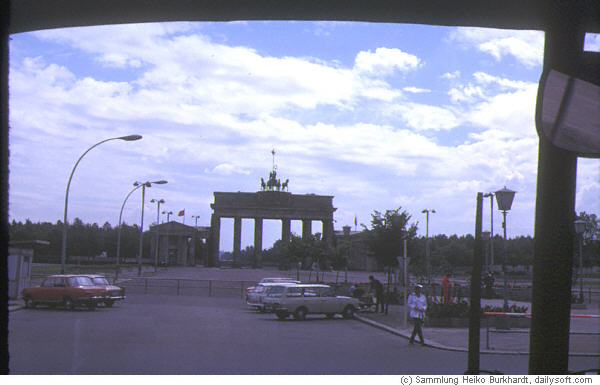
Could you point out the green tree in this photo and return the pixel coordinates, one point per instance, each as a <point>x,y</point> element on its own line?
<point>386,235</point>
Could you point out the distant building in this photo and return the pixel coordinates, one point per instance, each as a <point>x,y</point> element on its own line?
<point>358,251</point>
<point>179,244</point>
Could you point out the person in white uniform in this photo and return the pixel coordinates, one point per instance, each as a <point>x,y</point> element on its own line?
<point>417,303</point>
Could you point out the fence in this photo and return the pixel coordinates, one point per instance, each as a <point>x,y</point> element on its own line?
<point>206,288</point>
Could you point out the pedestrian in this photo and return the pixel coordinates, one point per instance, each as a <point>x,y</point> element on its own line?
<point>417,303</point>
<point>377,288</point>
<point>446,289</point>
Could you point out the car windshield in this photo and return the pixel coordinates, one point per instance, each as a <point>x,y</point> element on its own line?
<point>80,281</point>
<point>100,281</point>
<point>275,291</point>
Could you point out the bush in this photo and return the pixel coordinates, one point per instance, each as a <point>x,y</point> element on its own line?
<point>459,309</point>
<point>511,309</point>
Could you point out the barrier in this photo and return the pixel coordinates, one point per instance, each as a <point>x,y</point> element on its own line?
<point>529,314</point>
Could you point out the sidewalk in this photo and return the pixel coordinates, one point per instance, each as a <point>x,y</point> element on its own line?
<point>511,341</point>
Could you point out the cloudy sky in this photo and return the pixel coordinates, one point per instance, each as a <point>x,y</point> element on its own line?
<point>380,116</point>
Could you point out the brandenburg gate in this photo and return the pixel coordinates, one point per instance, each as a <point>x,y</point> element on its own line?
<point>269,203</point>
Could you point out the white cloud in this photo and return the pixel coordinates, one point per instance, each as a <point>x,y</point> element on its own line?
<point>416,90</point>
<point>385,61</point>
<point>525,46</point>
<point>226,169</point>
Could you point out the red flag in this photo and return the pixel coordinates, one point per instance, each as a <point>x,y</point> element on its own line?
<point>355,221</point>
<point>181,213</point>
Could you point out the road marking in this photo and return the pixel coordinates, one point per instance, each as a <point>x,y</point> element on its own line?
<point>76,360</point>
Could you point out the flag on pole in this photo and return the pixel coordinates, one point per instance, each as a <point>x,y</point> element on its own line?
<point>355,222</point>
<point>181,213</point>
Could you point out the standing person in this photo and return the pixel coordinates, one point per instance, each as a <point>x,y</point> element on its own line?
<point>377,288</point>
<point>446,289</point>
<point>417,303</point>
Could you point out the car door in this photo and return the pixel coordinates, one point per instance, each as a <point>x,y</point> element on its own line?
<point>311,299</point>
<point>327,300</point>
<point>45,291</point>
<point>59,290</point>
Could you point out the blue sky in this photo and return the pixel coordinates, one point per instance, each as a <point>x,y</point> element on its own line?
<point>377,115</point>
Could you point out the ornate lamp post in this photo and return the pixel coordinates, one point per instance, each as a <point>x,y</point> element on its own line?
<point>504,199</point>
<point>139,257</point>
<point>427,211</point>
<point>486,236</point>
<point>63,253</point>
<point>158,202</point>
<point>580,229</point>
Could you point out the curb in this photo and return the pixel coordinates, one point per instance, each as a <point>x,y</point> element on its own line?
<point>439,346</point>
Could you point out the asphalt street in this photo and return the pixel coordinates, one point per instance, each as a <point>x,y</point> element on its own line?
<point>149,334</point>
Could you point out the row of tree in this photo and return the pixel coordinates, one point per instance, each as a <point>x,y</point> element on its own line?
<point>383,237</point>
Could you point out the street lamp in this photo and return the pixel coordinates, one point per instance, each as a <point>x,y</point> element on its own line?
<point>144,185</point>
<point>169,213</point>
<point>427,211</point>
<point>136,185</point>
<point>63,253</point>
<point>580,229</point>
<point>158,202</point>
<point>196,218</point>
<point>504,199</point>
<point>491,196</point>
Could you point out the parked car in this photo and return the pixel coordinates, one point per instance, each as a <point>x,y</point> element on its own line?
<point>302,299</point>
<point>113,293</point>
<point>255,297</point>
<point>67,290</point>
<point>257,288</point>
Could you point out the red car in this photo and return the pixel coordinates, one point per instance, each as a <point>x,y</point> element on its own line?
<point>67,290</point>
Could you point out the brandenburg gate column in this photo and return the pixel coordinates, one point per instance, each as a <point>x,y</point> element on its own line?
<point>237,239</point>
<point>286,230</point>
<point>328,230</point>
<point>215,233</point>
<point>258,232</point>
<point>306,228</point>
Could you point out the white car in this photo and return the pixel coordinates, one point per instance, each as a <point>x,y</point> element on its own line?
<point>255,294</point>
<point>302,299</point>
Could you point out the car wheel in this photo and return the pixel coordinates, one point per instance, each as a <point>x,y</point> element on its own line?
<point>300,314</point>
<point>29,303</point>
<point>282,315</point>
<point>108,303</point>
<point>68,303</point>
<point>348,312</point>
<point>330,315</point>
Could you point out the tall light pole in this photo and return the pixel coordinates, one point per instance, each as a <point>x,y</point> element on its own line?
<point>139,257</point>
<point>427,211</point>
<point>580,229</point>
<point>196,218</point>
<point>169,213</point>
<point>158,202</point>
<point>504,199</point>
<point>136,186</point>
<point>491,196</point>
<point>63,253</point>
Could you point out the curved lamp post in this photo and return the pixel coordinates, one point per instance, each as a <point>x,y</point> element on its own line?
<point>139,257</point>
<point>137,186</point>
<point>63,253</point>
<point>426,212</point>
<point>504,199</point>
<point>580,229</point>
<point>158,202</point>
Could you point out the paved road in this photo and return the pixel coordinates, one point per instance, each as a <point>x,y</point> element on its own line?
<point>200,335</point>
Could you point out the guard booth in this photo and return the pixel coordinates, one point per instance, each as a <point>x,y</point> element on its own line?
<point>20,259</point>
